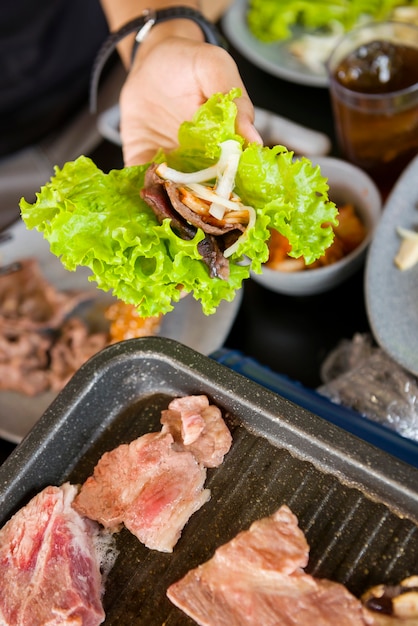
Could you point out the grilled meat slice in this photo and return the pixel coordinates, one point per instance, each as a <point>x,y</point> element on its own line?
<point>211,248</point>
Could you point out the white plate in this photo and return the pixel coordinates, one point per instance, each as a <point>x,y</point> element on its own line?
<point>187,324</point>
<point>274,58</point>
<point>392,294</point>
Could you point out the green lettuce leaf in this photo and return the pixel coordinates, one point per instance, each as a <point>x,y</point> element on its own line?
<point>99,220</point>
<point>273,20</point>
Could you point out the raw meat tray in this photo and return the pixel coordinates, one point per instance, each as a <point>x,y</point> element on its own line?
<point>357,505</point>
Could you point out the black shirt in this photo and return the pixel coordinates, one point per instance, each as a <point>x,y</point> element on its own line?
<point>47,49</point>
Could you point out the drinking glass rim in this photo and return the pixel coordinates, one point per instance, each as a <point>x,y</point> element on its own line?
<point>361,27</point>
<point>374,96</point>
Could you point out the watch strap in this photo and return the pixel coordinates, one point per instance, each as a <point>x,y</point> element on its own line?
<point>142,24</point>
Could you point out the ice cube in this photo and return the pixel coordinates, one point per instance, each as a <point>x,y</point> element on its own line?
<point>373,67</point>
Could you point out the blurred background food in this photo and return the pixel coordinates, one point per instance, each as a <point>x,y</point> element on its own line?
<point>313,27</point>
<point>47,334</point>
<point>271,21</point>
<point>126,323</point>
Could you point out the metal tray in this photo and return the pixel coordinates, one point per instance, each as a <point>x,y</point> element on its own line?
<point>378,434</point>
<point>357,504</point>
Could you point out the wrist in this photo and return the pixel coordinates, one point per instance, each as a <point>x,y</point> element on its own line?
<point>177,28</point>
<point>141,27</point>
<point>120,13</point>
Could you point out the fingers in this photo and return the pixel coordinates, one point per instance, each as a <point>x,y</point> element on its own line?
<point>245,121</point>
<point>220,74</point>
<point>156,98</point>
<point>133,157</point>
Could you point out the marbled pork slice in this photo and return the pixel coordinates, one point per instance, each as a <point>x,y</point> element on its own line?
<point>49,565</point>
<point>258,578</point>
<point>147,485</point>
<point>199,427</point>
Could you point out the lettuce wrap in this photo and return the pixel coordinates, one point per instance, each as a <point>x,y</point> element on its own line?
<point>100,221</point>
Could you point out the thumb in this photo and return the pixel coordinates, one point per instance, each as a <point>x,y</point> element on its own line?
<point>245,121</point>
<point>246,128</point>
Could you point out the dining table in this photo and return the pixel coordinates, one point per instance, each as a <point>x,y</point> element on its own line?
<point>290,335</point>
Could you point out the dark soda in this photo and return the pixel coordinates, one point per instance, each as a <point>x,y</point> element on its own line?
<point>375,100</point>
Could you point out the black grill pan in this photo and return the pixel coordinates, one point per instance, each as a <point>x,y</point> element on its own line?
<point>357,504</point>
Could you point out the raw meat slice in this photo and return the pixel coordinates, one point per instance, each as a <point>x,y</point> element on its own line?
<point>149,486</point>
<point>199,427</point>
<point>257,578</point>
<point>49,566</point>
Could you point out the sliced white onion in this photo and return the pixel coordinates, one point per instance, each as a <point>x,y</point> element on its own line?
<point>224,171</point>
<point>407,254</point>
<point>207,193</point>
<point>184,178</point>
<point>228,148</point>
<point>217,210</point>
<point>406,233</point>
<point>228,164</point>
<point>251,222</point>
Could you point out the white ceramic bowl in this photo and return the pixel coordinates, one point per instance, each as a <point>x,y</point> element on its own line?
<point>347,183</point>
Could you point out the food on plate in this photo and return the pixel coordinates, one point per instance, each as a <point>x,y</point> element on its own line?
<point>24,362</point>
<point>407,254</point>
<point>313,50</point>
<point>313,27</point>
<point>270,20</point>
<point>32,362</point>
<point>29,302</point>
<point>53,563</point>
<point>196,220</point>
<point>258,578</point>
<point>407,12</point>
<point>349,233</point>
<point>43,340</point>
<point>155,483</point>
<point>74,346</point>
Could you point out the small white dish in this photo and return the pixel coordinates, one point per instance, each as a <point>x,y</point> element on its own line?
<point>347,184</point>
<point>277,130</point>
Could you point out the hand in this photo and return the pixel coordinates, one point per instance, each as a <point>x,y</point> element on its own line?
<point>166,86</point>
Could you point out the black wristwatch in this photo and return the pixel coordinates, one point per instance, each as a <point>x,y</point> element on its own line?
<point>142,25</point>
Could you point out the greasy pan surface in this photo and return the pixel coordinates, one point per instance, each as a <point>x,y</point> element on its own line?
<point>357,505</point>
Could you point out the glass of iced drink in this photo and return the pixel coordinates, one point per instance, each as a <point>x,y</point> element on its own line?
<point>373,78</point>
